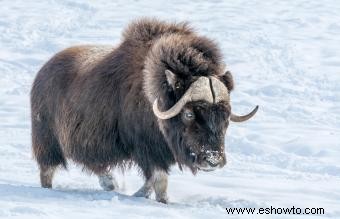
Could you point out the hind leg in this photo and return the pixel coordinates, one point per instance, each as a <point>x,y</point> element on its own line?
<point>107,181</point>
<point>46,151</point>
<point>46,176</point>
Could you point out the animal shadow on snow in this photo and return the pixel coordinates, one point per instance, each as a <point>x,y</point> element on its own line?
<point>21,192</point>
<point>26,193</point>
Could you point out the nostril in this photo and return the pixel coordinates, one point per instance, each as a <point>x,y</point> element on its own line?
<point>204,157</point>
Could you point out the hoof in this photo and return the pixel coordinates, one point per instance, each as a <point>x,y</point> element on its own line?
<point>108,183</point>
<point>163,200</point>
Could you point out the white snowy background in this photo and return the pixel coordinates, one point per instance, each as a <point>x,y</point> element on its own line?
<point>284,55</point>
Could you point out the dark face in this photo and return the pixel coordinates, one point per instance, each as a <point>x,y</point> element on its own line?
<point>204,126</point>
<point>196,133</point>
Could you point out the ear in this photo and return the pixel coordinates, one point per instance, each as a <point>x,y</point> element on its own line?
<point>170,77</point>
<point>227,80</point>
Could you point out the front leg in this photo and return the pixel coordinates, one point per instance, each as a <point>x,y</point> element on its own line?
<point>160,185</point>
<point>146,190</point>
<point>158,182</point>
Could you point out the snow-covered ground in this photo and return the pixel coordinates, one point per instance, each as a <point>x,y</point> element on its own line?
<point>284,55</point>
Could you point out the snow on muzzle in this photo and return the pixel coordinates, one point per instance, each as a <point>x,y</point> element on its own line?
<point>209,160</point>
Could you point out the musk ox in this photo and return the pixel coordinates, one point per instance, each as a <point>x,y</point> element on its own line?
<point>159,98</point>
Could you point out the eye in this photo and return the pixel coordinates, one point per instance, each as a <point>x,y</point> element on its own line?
<point>178,85</point>
<point>189,115</point>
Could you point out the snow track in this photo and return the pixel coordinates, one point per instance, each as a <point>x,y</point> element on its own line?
<point>285,57</point>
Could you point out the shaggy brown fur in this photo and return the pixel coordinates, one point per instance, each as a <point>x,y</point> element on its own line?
<point>94,104</point>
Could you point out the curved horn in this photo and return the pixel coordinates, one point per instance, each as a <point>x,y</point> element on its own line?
<point>199,90</point>
<point>236,118</point>
<point>172,112</point>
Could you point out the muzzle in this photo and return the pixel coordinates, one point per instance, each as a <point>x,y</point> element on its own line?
<point>209,160</point>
